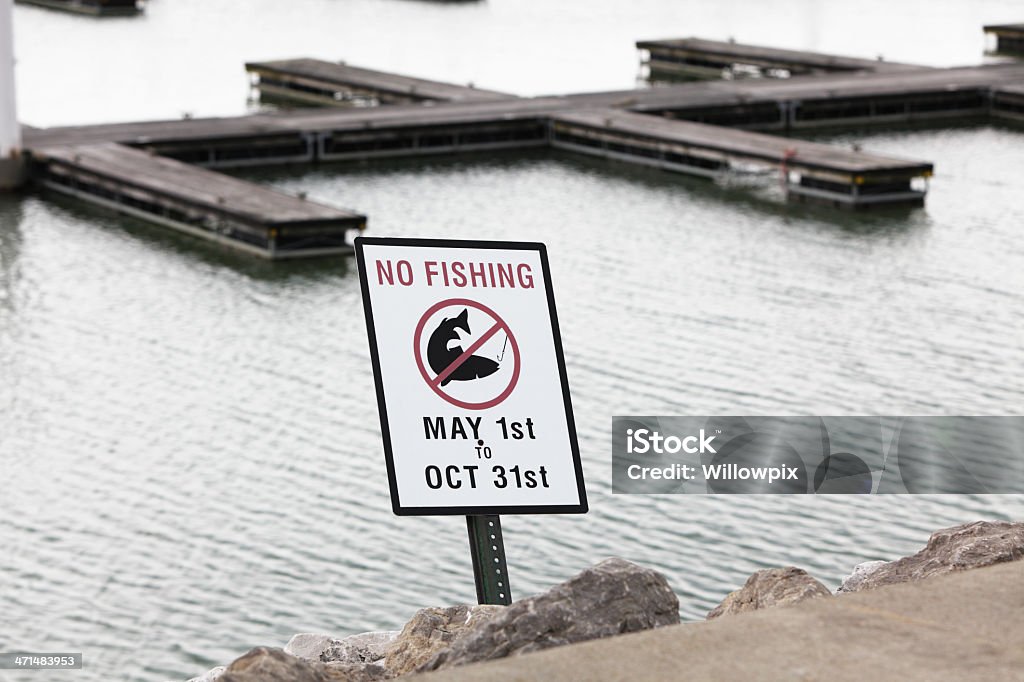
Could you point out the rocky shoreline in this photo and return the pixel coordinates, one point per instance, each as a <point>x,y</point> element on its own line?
<point>611,598</point>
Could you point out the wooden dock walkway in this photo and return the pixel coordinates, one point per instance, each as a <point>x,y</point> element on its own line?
<point>1008,102</point>
<point>699,58</point>
<point>96,8</point>
<point>315,81</point>
<point>809,171</point>
<point>762,104</point>
<point>703,128</point>
<point>1009,37</point>
<point>843,99</point>
<point>311,135</point>
<point>837,177</point>
<point>203,203</point>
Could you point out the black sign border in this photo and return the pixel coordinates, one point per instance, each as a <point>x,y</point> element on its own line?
<point>541,249</point>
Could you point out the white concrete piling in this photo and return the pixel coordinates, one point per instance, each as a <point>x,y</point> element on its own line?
<point>11,161</point>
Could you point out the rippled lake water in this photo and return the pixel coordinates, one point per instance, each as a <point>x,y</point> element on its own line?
<point>189,442</point>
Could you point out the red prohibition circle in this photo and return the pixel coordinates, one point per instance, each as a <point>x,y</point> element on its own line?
<point>437,388</point>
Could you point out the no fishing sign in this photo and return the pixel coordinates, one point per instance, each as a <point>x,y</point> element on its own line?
<point>471,382</point>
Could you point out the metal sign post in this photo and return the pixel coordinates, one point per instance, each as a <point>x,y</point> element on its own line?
<point>489,568</point>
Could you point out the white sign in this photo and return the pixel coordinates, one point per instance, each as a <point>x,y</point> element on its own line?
<point>471,383</point>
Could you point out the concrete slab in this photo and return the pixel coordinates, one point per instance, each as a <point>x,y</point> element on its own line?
<point>965,626</point>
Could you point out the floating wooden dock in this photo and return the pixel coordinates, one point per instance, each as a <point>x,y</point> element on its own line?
<point>203,203</point>
<point>1009,37</point>
<point>859,99</point>
<point>843,178</point>
<point>809,172</point>
<point>314,135</point>
<point>699,58</point>
<point>152,169</point>
<point>1008,102</point>
<point>314,81</point>
<point>305,136</point>
<point>96,8</point>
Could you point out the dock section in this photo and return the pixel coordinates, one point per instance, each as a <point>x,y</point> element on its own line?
<point>311,135</point>
<point>318,82</point>
<point>810,172</point>
<point>849,100</point>
<point>154,169</point>
<point>594,124</point>
<point>699,58</point>
<point>231,142</point>
<point>832,175</point>
<point>423,131</point>
<point>1009,37</point>
<point>324,134</point>
<point>199,202</point>
<point>1008,102</point>
<point>96,8</point>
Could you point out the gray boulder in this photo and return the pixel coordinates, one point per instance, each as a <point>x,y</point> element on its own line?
<point>368,647</point>
<point>614,597</point>
<point>308,645</point>
<point>970,545</point>
<point>430,631</point>
<point>264,664</point>
<point>210,675</point>
<point>357,672</point>
<point>860,573</point>
<point>770,587</point>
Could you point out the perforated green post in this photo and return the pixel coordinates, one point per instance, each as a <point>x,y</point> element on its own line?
<point>489,567</point>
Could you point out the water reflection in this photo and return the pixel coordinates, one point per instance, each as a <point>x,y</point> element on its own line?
<point>11,217</point>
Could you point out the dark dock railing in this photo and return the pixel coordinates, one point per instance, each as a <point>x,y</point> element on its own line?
<point>699,58</point>
<point>314,81</point>
<point>1009,37</point>
<point>809,171</point>
<point>1008,102</point>
<point>860,99</point>
<point>98,8</point>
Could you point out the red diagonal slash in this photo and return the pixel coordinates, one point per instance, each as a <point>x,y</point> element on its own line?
<point>457,362</point>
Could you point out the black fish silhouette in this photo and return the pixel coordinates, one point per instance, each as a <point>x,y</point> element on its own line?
<point>440,356</point>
